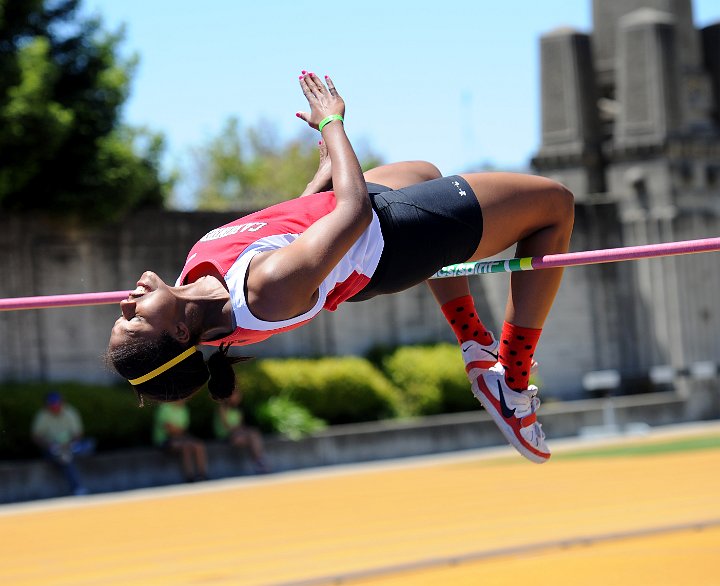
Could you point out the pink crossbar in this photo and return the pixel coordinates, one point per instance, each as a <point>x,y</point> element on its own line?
<point>72,300</point>
<point>541,262</point>
<point>626,253</point>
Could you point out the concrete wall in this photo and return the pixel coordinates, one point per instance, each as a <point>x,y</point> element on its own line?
<point>346,444</point>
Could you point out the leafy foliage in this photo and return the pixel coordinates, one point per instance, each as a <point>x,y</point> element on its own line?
<point>62,147</point>
<point>251,168</point>
<point>286,417</point>
<point>337,390</point>
<point>432,379</point>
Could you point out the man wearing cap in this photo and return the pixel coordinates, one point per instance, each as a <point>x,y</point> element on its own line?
<point>58,430</point>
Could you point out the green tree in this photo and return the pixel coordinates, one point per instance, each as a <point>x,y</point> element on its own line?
<point>252,168</point>
<point>62,146</point>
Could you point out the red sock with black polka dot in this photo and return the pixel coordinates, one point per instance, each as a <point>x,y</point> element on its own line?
<point>464,321</point>
<point>517,347</point>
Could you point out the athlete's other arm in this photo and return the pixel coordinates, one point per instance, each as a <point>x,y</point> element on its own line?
<point>322,181</point>
<point>283,283</point>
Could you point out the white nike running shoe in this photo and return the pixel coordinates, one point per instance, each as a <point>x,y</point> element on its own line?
<point>477,356</point>
<point>514,412</point>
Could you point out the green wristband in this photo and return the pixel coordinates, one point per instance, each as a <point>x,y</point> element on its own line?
<point>325,121</point>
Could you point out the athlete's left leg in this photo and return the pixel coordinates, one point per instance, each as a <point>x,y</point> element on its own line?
<point>535,213</point>
<point>453,294</point>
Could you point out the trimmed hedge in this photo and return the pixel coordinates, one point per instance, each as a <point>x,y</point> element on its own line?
<point>432,378</point>
<point>288,418</point>
<point>411,381</point>
<point>337,390</point>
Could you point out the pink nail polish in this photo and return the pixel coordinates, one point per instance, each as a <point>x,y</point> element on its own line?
<point>326,77</point>
<point>297,114</point>
<point>303,72</point>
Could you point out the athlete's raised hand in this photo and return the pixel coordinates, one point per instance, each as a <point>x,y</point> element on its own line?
<point>323,101</point>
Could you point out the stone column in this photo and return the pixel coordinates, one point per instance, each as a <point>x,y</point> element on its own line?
<point>711,55</point>
<point>647,80</point>
<point>607,13</point>
<point>571,132</point>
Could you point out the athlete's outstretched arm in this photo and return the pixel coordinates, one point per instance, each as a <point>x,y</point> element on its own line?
<point>284,283</point>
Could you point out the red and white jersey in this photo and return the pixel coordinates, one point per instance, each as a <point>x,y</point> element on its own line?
<point>230,249</point>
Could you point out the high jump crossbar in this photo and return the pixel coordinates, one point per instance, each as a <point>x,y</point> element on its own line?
<point>510,265</point>
<point>571,259</point>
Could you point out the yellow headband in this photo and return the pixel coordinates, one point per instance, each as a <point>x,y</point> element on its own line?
<point>160,369</point>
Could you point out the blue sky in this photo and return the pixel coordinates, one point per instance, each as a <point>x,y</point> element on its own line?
<point>455,82</point>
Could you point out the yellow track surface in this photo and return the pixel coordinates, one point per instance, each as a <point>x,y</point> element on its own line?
<point>649,518</point>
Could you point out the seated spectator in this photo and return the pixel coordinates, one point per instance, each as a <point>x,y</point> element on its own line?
<point>229,427</point>
<point>58,430</point>
<point>170,433</point>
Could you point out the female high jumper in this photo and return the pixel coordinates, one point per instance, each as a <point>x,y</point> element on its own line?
<point>375,233</point>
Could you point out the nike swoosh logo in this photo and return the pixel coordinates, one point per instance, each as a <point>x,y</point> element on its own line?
<point>507,413</point>
<point>464,349</point>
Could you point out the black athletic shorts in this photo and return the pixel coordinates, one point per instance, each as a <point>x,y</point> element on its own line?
<point>425,227</point>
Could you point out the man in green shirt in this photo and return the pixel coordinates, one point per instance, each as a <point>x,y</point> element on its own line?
<point>170,432</point>
<point>229,427</point>
<point>57,429</point>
